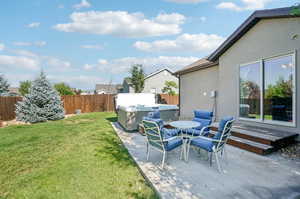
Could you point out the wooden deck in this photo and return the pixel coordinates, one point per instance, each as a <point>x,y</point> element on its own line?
<point>259,140</point>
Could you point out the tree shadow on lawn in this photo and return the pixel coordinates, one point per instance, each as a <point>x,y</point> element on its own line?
<point>113,150</point>
<point>112,119</point>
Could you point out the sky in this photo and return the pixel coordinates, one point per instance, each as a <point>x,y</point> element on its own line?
<point>84,42</point>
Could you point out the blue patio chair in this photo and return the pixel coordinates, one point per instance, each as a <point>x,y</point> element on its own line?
<point>217,143</point>
<point>160,140</point>
<point>205,118</point>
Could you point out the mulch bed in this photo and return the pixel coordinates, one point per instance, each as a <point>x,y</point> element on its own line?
<point>292,151</point>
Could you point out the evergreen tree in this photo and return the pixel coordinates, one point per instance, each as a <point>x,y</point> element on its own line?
<point>137,78</point>
<point>43,103</point>
<point>3,86</point>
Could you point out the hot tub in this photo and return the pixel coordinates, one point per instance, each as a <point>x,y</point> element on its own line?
<point>131,109</point>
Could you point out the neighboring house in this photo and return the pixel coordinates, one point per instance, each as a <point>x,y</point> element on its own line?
<point>155,82</point>
<point>108,88</point>
<point>14,91</point>
<point>255,74</point>
<point>127,86</point>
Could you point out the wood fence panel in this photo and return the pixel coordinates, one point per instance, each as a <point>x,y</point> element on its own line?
<point>8,107</point>
<point>170,99</point>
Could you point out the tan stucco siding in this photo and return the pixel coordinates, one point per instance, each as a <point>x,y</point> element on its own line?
<point>195,90</point>
<point>158,80</point>
<point>270,37</point>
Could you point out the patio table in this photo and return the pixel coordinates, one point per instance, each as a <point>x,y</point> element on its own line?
<point>185,125</point>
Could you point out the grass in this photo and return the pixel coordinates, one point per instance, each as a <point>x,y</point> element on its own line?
<point>78,157</point>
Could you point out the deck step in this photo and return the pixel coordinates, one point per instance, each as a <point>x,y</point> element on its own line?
<point>249,145</point>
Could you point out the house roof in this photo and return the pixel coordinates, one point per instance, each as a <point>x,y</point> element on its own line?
<point>158,71</point>
<point>248,24</point>
<point>128,80</point>
<point>108,88</point>
<point>200,64</point>
<point>251,21</point>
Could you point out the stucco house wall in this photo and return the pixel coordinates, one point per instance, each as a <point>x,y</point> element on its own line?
<point>157,81</point>
<point>195,90</point>
<point>268,38</point>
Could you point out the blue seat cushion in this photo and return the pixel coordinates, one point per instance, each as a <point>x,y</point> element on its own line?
<point>203,144</point>
<point>159,122</point>
<point>203,122</point>
<point>222,124</point>
<point>167,133</point>
<point>154,115</point>
<point>172,144</point>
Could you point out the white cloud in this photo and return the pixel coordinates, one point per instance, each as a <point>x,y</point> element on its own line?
<point>203,19</point>
<point>25,53</point>
<point>36,43</point>
<point>33,25</point>
<point>82,4</point>
<point>88,67</point>
<point>122,23</point>
<point>77,81</point>
<point>122,65</point>
<point>18,62</point>
<point>40,43</point>
<point>173,18</point>
<point>246,5</point>
<point>2,46</point>
<point>186,1</point>
<point>98,47</point>
<point>185,42</point>
<point>57,63</point>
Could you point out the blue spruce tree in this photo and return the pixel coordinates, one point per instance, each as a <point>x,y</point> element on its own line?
<point>3,86</point>
<point>43,103</point>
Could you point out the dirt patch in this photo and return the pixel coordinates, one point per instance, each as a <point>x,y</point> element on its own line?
<point>15,122</point>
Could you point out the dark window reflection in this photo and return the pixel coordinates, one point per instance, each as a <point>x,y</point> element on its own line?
<point>250,91</point>
<point>278,91</point>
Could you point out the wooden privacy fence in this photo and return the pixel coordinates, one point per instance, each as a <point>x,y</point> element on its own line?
<point>86,103</point>
<point>169,99</point>
<point>8,107</point>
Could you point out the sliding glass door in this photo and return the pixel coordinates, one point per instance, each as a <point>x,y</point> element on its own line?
<point>267,90</point>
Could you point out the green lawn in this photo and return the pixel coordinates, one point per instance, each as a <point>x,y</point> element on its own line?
<point>78,157</point>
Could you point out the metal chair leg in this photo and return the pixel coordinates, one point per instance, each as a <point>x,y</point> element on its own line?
<point>188,150</point>
<point>163,161</point>
<point>225,155</point>
<point>218,163</point>
<point>210,158</point>
<point>148,151</point>
<point>182,151</point>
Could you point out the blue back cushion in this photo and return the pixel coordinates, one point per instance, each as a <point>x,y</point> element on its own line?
<point>222,126</point>
<point>158,121</point>
<point>204,117</point>
<point>154,114</point>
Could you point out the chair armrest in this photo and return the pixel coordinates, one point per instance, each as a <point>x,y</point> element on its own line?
<point>169,139</point>
<point>209,139</point>
<point>204,128</point>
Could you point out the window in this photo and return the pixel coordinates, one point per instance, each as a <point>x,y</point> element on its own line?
<point>250,89</point>
<point>267,90</point>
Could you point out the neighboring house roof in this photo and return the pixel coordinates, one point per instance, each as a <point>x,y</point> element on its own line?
<point>128,80</point>
<point>158,71</point>
<point>248,24</point>
<point>108,88</point>
<point>13,90</point>
<point>200,64</point>
<point>251,21</point>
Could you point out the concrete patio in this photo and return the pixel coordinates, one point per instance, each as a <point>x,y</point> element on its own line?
<point>246,175</point>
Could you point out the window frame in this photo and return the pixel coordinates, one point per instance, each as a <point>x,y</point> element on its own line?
<point>262,86</point>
